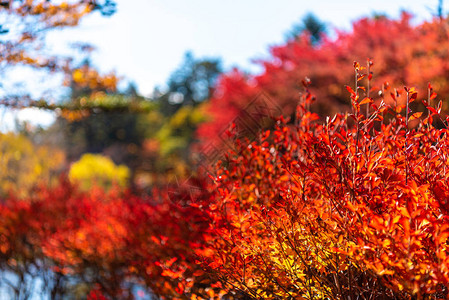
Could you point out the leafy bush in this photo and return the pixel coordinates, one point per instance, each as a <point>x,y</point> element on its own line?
<point>98,170</point>
<point>98,244</point>
<point>355,207</point>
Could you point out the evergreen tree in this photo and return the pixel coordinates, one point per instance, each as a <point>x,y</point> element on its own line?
<point>191,83</point>
<point>310,24</point>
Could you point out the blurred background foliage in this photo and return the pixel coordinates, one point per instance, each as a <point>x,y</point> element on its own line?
<point>27,165</point>
<point>97,170</point>
<point>148,136</point>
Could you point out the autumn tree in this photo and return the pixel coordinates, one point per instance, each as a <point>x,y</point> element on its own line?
<point>386,41</point>
<point>23,36</point>
<point>27,165</point>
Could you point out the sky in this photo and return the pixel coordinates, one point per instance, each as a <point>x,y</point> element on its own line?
<point>146,39</point>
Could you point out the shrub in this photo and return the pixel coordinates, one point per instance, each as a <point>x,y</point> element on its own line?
<point>98,244</point>
<point>355,207</point>
<point>95,169</point>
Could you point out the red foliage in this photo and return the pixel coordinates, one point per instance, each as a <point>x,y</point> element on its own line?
<point>357,206</point>
<point>404,54</point>
<point>353,207</point>
<point>104,239</point>
<point>95,294</point>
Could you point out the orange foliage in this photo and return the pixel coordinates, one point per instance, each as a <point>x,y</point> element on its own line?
<point>87,77</point>
<point>32,19</point>
<point>23,33</point>
<point>355,206</point>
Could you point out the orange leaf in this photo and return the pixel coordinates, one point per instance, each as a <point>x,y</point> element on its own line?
<point>284,178</point>
<point>351,207</point>
<point>366,100</point>
<point>360,77</point>
<point>171,261</point>
<point>404,212</point>
<point>399,108</point>
<point>415,116</point>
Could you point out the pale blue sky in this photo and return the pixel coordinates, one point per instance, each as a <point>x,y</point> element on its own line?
<point>146,39</point>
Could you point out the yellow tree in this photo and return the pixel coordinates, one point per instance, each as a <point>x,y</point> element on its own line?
<point>27,165</point>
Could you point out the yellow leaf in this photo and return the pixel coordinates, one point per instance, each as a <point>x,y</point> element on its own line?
<point>340,239</point>
<point>77,75</point>
<point>396,219</point>
<point>404,212</point>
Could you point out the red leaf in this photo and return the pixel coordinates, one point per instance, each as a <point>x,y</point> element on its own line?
<point>353,116</point>
<point>393,96</point>
<point>432,110</point>
<point>350,89</point>
<point>412,95</point>
<point>433,96</point>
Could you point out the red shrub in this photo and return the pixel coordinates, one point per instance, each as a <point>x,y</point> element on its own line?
<point>354,207</point>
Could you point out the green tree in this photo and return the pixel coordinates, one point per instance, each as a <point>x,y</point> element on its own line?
<point>440,9</point>
<point>191,83</point>
<point>178,114</point>
<point>309,24</point>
